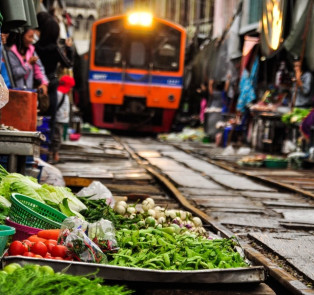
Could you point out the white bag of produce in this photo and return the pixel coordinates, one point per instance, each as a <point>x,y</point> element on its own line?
<point>80,246</point>
<point>73,222</point>
<point>96,190</point>
<point>103,234</point>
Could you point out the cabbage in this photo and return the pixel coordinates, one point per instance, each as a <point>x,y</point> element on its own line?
<point>3,172</point>
<point>29,186</point>
<point>58,193</point>
<point>18,183</point>
<point>4,203</point>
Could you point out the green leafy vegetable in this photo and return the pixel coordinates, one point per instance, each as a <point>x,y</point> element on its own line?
<point>160,249</point>
<point>29,186</point>
<point>4,202</point>
<point>296,116</point>
<point>58,193</point>
<point>65,209</point>
<point>18,183</point>
<point>38,280</point>
<point>98,209</point>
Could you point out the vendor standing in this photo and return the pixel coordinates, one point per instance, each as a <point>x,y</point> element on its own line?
<point>304,86</point>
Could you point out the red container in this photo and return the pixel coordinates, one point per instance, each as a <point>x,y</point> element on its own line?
<point>22,232</point>
<point>21,110</point>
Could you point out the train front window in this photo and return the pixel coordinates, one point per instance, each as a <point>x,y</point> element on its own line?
<point>137,54</point>
<point>166,49</point>
<point>109,40</point>
<point>137,50</point>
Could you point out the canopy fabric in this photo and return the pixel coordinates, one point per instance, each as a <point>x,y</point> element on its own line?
<point>203,64</point>
<point>221,62</point>
<point>273,21</point>
<point>300,34</point>
<point>234,43</point>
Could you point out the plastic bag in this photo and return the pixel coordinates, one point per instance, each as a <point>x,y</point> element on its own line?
<point>79,245</point>
<point>4,93</point>
<point>97,191</point>
<point>74,222</point>
<point>49,173</point>
<point>102,233</point>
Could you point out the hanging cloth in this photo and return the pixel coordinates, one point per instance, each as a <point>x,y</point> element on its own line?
<point>247,87</point>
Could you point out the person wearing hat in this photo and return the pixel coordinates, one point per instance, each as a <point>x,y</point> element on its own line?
<point>66,83</point>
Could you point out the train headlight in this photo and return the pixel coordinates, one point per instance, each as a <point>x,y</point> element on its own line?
<point>143,19</point>
<point>98,93</point>
<point>171,98</point>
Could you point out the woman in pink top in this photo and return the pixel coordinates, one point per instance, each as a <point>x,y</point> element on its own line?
<point>25,64</point>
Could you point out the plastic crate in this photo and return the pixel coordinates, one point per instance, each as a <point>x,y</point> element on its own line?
<point>5,232</point>
<point>45,123</point>
<point>27,211</point>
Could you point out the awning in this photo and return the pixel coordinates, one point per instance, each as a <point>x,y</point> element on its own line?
<point>302,32</point>
<point>273,20</point>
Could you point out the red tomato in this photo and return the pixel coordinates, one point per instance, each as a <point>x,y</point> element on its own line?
<point>49,247</point>
<point>17,248</point>
<point>57,258</point>
<point>48,255</point>
<point>28,244</point>
<point>28,254</point>
<point>39,248</point>
<point>50,244</point>
<point>37,256</point>
<point>59,251</point>
<point>35,238</point>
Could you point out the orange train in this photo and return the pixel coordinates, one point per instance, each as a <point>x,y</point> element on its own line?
<point>136,72</point>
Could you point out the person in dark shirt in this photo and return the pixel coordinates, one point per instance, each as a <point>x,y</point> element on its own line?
<point>52,56</point>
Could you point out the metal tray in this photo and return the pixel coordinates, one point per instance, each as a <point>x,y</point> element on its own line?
<point>254,274</point>
<point>21,143</point>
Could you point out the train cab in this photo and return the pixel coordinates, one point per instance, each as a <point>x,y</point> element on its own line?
<point>136,72</point>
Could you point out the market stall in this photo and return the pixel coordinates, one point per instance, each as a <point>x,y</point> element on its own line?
<point>17,145</point>
<point>127,241</point>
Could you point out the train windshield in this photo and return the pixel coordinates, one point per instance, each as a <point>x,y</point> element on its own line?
<point>166,49</point>
<point>158,50</point>
<point>109,42</point>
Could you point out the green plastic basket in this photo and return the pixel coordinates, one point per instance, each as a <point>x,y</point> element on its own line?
<point>5,232</point>
<point>27,211</point>
<point>276,163</point>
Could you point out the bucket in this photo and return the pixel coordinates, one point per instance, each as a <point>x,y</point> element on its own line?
<point>5,232</point>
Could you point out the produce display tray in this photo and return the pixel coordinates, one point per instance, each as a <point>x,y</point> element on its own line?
<point>254,274</point>
<point>24,143</point>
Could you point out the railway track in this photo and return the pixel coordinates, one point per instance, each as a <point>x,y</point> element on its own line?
<point>228,203</point>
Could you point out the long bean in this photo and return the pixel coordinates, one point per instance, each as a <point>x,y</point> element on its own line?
<point>164,250</point>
